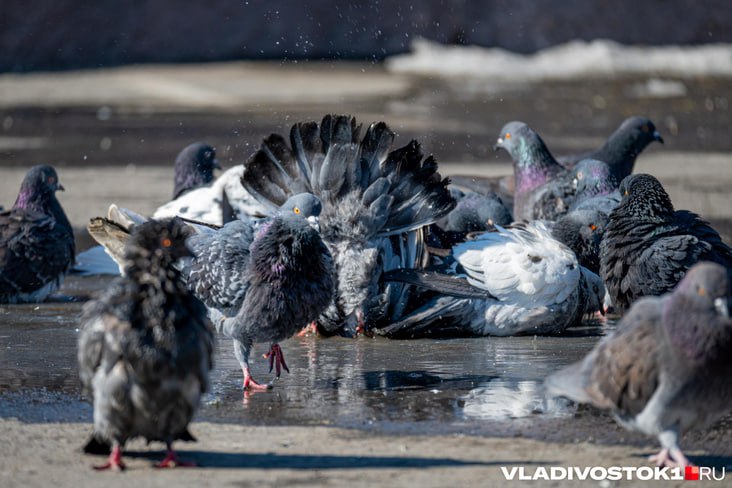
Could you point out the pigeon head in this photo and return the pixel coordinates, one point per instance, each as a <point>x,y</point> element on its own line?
<point>696,315</point>
<point>161,241</point>
<point>709,283</point>
<point>582,232</point>
<point>533,164</point>
<point>644,197</point>
<point>38,188</point>
<point>513,136</point>
<point>592,177</point>
<point>636,133</point>
<point>194,167</point>
<point>302,206</point>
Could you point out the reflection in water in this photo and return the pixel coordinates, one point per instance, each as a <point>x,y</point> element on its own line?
<point>361,382</point>
<point>506,399</point>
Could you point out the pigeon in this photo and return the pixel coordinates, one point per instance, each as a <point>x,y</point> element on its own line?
<point>622,147</point>
<point>475,212</point>
<point>596,187</point>
<point>194,168</point>
<point>543,187</point>
<point>532,284</point>
<point>288,284</point>
<point>647,246</point>
<point>582,231</point>
<point>219,272</point>
<point>146,347</point>
<point>36,240</point>
<point>377,204</point>
<point>665,370</point>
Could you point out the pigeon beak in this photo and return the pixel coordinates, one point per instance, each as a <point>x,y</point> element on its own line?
<point>498,145</point>
<point>314,222</point>
<point>216,165</point>
<point>722,306</point>
<point>60,187</point>
<point>657,136</point>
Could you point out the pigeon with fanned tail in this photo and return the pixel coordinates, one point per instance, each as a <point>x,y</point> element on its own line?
<point>376,205</point>
<point>622,148</point>
<point>36,240</point>
<point>648,246</point>
<point>543,188</point>
<point>667,367</point>
<point>532,284</point>
<point>146,347</point>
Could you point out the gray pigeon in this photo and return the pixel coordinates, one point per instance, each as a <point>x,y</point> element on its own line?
<point>36,240</point>
<point>475,212</point>
<point>647,246</point>
<point>542,187</point>
<point>667,367</point>
<point>596,187</point>
<point>194,168</point>
<point>530,284</point>
<point>146,347</point>
<point>622,147</point>
<point>289,283</point>
<point>377,204</point>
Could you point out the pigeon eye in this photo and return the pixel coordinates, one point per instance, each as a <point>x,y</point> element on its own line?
<point>51,180</point>
<point>296,210</point>
<point>593,227</point>
<point>644,128</point>
<point>166,242</point>
<point>508,135</point>
<point>701,291</point>
<point>625,193</point>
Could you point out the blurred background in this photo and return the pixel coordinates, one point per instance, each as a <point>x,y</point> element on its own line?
<point>109,91</point>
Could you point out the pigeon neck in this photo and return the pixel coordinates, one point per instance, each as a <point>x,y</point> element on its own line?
<point>31,199</point>
<point>190,180</point>
<point>619,152</point>
<point>534,165</point>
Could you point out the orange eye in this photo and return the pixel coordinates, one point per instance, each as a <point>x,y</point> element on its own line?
<point>645,128</point>
<point>166,242</point>
<point>508,135</point>
<point>296,210</point>
<point>593,227</point>
<point>702,291</point>
<point>625,193</point>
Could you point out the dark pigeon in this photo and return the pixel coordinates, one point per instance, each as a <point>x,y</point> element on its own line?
<point>146,347</point>
<point>542,187</point>
<point>648,247</point>
<point>596,187</point>
<point>36,240</point>
<point>622,147</point>
<point>377,204</point>
<point>219,272</point>
<point>666,368</point>
<point>289,283</point>
<point>475,212</point>
<point>582,231</point>
<point>194,168</point>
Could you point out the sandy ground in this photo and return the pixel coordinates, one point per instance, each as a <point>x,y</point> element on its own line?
<point>233,455</point>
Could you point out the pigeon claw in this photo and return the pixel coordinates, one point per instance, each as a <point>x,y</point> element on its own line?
<point>311,328</point>
<point>276,359</point>
<point>114,462</point>
<point>671,458</point>
<point>250,384</point>
<point>171,461</point>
